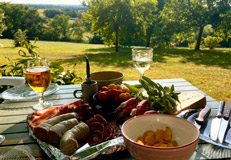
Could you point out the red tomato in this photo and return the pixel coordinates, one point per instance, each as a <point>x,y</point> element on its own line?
<point>104,88</point>
<point>116,99</point>
<point>103,96</point>
<point>118,92</point>
<point>112,93</point>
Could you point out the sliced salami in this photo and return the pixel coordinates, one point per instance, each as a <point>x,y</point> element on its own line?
<point>115,130</point>
<point>91,120</point>
<point>108,132</point>
<point>95,137</point>
<point>100,119</point>
<point>96,126</point>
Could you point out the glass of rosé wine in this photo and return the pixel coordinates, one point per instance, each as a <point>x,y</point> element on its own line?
<point>39,78</point>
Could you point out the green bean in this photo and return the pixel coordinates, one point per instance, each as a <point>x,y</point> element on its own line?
<point>145,85</point>
<point>133,89</point>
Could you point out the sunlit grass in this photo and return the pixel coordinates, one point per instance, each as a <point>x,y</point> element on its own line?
<point>208,70</point>
<point>41,12</point>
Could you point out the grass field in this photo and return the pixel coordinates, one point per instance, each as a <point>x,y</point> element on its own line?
<point>209,71</point>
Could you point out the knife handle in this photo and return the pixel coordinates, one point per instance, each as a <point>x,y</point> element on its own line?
<point>220,109</point>
<point>204,113</point>
<point>227,110</point>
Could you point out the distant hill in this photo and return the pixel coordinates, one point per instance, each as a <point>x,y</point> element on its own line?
<point>56,6</point>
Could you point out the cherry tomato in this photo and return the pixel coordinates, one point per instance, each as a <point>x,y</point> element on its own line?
<point>119,87</point>
<point>116,99</point>
<point>103,96</point>
<point>112,93</point>
<point>112,86</point>
<point>126,90</point>
<point>104,88</point>
<point>128,95</point>
<point>123,97</point>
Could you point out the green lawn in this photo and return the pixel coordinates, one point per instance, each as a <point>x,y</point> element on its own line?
<point>210,71</point>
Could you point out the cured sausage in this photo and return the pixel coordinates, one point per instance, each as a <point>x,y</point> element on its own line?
<point>40,131</point>
<point>108,132</point>
<point>95,137</point>
<point>115,130</point>
<point>57,131</point>
<point>96,126</point>
<point>91,120</point>
<point>69,141</point>
<point>100,119</point>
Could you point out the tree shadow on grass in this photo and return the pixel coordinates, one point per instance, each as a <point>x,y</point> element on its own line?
<point>107,56</point>
<point>103,57</point>
<point>217,58</point>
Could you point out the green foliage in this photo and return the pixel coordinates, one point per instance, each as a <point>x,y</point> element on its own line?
<point>58,27</point>
<point>77,31</point>
<point>187,15</point>
<point>51,13</point>
<point>24,18</point>
<point>123,22</point>
<point>86,37</point>
<point>212,42</point>
<point>30,51</point>
<point>117,25</point>
<point>19,38</point>
<point>2,25</point>
<point>73,13</point>
<point>126,22</point>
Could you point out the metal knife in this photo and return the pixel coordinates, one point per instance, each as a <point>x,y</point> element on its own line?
<point>203,114</point>
<point>215,123</point>
<point>207,129</point>
<point>224,122</point>
<point>228,135</point>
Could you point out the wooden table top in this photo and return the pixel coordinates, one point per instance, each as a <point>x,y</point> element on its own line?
<point>14,127</point>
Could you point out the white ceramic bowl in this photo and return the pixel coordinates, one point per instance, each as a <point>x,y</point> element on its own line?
<point>185,133</point>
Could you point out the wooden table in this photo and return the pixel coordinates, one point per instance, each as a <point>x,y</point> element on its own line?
<point>14,127</point>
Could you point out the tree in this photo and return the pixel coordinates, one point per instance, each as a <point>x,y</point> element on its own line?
<point>146,18</point>
<point>189,15</point>
<point>51,13</point>
<point>58,28</point>
<point>24,18</point>
<point>223,29</point>
<point>76,30</point>
<point>73,13</point>
<point>2,25</point>
<point>113,19</point>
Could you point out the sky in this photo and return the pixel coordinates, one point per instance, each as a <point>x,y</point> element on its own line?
<point>43,1</point>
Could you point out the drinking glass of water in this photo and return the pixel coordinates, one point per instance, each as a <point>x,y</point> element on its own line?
<point>142,58</point>
<point>39,78</point>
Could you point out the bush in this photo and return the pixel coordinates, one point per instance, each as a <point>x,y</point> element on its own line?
<point>19,38</point>
<point>193,45</point>
<point>18,68</point>
<point>86,37</point>
<point>212,42</point>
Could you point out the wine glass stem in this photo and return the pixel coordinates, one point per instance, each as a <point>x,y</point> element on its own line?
<point>41,100</point>
<point>141,75</point>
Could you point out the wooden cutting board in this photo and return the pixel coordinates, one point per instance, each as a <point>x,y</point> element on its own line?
<point>191,100</point>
